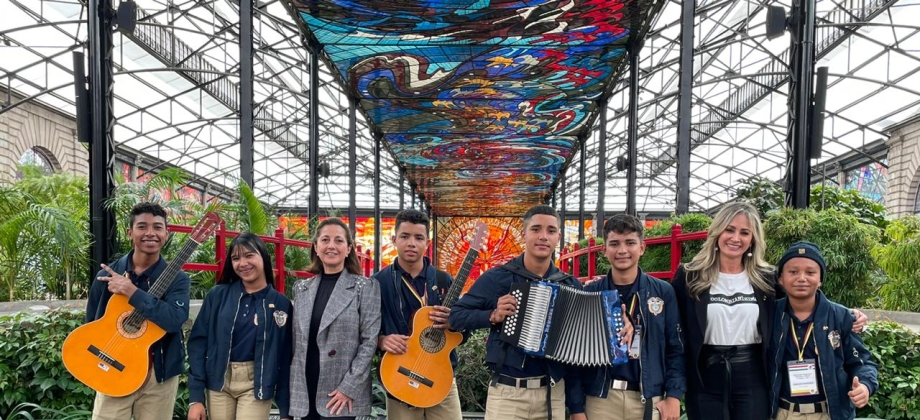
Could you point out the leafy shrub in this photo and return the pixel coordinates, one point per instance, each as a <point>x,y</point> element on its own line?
<point>601,264</point>
<point>897,352</point>
<point>31,370</point>
<point>658,257</point>
<point>33,380</point>
<point>472,374</point>
<point>762,193</point>
<point>845,243</point>
<point>900,258</point>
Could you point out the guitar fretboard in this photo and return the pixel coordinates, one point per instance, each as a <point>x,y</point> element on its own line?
<point>168,276</point>
<point>454,292</point>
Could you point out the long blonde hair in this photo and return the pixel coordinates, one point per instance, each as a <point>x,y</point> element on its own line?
<point>703,270</point>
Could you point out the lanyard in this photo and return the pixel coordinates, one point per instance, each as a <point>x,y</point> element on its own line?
<point>801,348</point>
<point>421,299</point>
<point>632,306</point>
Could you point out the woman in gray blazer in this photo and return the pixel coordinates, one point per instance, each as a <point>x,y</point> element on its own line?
<point>336,323</point>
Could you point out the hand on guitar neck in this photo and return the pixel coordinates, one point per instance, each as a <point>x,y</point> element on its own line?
<point>439,315</point>
<point>117,284</point>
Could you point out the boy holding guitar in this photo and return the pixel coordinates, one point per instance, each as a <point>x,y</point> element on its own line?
<point>406,286</point>
<point>132,276</point>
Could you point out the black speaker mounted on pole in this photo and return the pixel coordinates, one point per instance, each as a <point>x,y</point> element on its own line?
<point>816,131</point>
<point>84,125</point>
<point>776,21</point>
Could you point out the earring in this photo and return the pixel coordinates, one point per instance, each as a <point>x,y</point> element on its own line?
<point>749,254</point>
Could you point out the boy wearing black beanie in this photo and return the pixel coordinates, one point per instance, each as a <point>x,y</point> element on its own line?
<point>820,369</point>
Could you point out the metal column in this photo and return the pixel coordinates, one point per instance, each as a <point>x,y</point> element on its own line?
<point>684,106</point>
<point>313,205</point>
<point>247,135</point>
<point>601,171</point>
<point>352,168</point>
<point>102,143</point>
<point>402,188</point>
<point>377,221</point>
<point>632,130</point>
<point>581,191</point>
<point>800,90</point>
<point>562,200</point>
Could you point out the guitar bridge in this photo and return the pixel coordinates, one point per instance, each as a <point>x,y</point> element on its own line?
<point>416,377</point>
<point>109,360</point>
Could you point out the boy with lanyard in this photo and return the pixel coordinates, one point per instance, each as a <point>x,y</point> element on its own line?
<point>652,383</point>
<point>408,284</point>
<point>820,369</point>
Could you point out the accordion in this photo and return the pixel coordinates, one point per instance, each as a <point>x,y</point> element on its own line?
<point>565,324</point>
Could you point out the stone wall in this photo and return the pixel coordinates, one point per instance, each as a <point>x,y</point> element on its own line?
<point>36,126</point>
<point>903,165</point>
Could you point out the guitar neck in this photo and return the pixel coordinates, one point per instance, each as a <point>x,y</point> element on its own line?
<point>166,279</point>
<point>457,286</point>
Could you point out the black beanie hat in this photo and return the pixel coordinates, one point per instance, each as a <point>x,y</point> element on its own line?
<point>803,250</point>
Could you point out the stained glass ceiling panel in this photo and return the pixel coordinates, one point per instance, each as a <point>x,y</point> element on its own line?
<point>481,103</point>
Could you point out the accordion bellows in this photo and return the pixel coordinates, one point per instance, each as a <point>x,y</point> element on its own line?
<point>566,324</point>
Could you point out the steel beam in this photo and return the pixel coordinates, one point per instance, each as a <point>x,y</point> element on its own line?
<point>802,51</point>
<point>352,167</point>
<point>377,222</point>
<point>581,190</point>
<point>247,133</point>
<point>601,169</point>
<point>563,213</point>
<point>632,129</point>
<point>685,105</point>
<point>313,205</point>
<point>102,142</point>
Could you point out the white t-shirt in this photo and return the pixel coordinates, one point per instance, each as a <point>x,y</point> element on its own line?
<point>732,313</point>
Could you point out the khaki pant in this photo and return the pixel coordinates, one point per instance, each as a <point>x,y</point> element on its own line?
<point>507,402</point>
<point>619,404</point>
<point>237,400</point>
<point>792,415</point>
<point>449,409</point>
<point>154,401</point>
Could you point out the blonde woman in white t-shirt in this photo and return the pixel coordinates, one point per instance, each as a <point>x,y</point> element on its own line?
<point>726,297</point>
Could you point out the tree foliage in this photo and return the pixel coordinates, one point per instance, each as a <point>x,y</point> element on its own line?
<point>899,257</point>
<point>845,243</point>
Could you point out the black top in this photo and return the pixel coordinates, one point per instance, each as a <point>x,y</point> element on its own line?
<point>326,286</point>
<point>629,372</point>
<point>791,352</point>
<point>248,316</point>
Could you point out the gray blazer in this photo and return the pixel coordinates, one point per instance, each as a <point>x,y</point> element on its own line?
<point>347,339</point>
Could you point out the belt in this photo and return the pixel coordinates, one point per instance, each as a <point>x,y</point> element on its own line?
<point>624,386</point>
<point>818,407</point>
<point>529,383</point>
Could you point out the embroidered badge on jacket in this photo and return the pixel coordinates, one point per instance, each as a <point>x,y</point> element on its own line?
<point>281,318</point>
<point>655,305</point>
<point>834,338</point>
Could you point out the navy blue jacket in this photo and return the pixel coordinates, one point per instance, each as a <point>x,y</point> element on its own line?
<point>392,320</point>
<point>209,345</point>
<point>473,309</point>
<point>838,365</point>
<point>662,356</point>
<point>169,313</point>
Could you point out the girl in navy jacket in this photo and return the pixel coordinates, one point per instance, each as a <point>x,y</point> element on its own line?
<point>240,346</point>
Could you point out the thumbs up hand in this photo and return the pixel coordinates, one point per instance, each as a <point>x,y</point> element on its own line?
<point>859,395</point>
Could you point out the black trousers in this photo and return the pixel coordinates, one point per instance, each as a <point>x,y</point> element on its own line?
<point>734,385</point>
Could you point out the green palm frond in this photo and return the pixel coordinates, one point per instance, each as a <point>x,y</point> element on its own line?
<point>254,216</point>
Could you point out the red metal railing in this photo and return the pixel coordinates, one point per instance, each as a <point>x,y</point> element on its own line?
<point>222,235</point>
<point>570,259</point>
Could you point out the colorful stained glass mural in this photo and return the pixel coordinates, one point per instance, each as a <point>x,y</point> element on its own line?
<point>505,242</point>
<point>870,180</point>
<point>480,102</point>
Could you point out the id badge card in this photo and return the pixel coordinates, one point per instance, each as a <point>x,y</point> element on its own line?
<point>635,348</point>
<point>803,377</point>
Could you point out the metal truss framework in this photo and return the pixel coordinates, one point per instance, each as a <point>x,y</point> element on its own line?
<point>739,97</point>
<point>176,96</point>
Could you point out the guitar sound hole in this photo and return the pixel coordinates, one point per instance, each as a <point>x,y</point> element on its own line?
<point>131,326</point>
<point>432,340</point>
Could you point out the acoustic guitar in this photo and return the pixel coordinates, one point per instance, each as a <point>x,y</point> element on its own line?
<point>422,376</point>
<point>111,354</point>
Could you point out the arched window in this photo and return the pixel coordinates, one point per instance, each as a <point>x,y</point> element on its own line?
<point>36,157</point>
